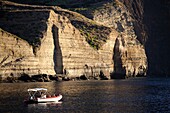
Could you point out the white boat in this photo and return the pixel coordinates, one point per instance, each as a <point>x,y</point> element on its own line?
<point>39,95</point>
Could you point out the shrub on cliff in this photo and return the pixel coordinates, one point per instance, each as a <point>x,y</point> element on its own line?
<point>95,35</point>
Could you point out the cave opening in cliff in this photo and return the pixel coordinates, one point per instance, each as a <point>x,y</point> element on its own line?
<point>57,56</point>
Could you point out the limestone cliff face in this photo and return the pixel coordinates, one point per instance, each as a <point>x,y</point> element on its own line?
<point>129,53</point>
<point>17,55</point>
<point>136,9</point>
<point>60,46</point>
<point>13,54</point>
<point>72,52</point>
<point>56,42</point>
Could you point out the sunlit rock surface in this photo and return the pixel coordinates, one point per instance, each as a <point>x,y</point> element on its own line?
<point>52,41</point>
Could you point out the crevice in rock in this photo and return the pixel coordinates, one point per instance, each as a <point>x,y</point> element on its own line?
<point>57,57</point>
<point>119,71</point>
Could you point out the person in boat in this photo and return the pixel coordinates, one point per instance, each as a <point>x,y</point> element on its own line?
<point>43,95</point>
<point>31,98</point>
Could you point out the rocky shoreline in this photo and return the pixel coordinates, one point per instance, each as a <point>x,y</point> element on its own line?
<point>49,78</point>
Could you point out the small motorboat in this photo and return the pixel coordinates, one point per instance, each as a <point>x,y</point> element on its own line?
<point>39,95</point>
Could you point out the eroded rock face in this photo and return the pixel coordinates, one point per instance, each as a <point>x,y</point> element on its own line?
<point>33,53</point>
<point>77,56</point>
<point>61,46</point>
<point>16,56</point>
<point>129,54</point>
<point>54,45</point>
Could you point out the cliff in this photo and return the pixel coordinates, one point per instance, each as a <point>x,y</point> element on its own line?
<point>20,57</point>
<point>152,28</point>
<point>129,53</point>
<point>58,41</point>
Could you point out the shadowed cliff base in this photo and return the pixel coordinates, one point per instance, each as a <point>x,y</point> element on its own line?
<point>118,76</point>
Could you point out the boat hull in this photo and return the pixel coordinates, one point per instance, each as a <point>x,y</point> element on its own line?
<point>49,99</point>
<point>44,100</point>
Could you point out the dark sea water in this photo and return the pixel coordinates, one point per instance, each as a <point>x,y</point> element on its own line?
<point>137,95</point>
